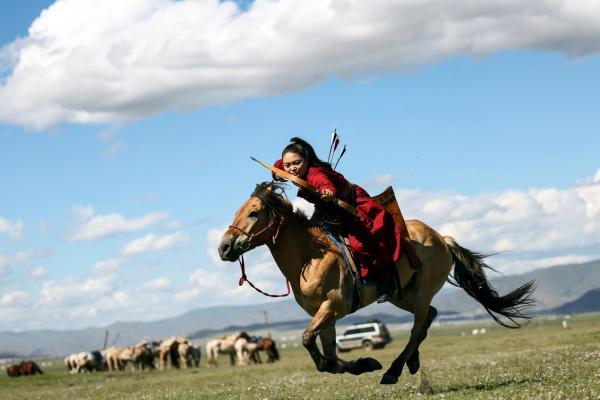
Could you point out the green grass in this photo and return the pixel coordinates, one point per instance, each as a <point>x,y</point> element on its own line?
<point>540,361</point>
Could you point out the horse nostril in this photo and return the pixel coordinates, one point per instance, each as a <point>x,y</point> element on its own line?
<point>224,249</point>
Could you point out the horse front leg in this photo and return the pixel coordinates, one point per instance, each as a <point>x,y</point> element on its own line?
<point>323,319</point>
<point>355,367</point>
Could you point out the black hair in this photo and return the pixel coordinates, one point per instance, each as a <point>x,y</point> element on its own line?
<point>304,149</point>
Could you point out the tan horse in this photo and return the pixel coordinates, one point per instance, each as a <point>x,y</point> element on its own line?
<point>323,285</point>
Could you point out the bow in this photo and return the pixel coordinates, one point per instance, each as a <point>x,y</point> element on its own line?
<point>305,185</point>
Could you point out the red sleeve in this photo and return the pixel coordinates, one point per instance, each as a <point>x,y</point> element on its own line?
<point>278,164</point>
<point>319,179</point>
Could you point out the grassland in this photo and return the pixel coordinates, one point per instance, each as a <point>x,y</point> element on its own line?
<point>541,361</point>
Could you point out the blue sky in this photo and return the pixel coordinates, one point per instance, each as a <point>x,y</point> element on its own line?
<point>118,177</point>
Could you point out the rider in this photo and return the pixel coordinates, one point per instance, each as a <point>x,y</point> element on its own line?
<point>373,236</point>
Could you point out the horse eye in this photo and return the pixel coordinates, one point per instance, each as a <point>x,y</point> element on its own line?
<point>253,214</point>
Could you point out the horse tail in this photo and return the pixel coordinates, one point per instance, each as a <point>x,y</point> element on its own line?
<point>274,350</point>
<point>469,274</point>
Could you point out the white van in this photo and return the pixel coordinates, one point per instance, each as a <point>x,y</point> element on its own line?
<point>369,335</point>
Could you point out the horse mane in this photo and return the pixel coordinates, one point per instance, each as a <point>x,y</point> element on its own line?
<point>273,195</point>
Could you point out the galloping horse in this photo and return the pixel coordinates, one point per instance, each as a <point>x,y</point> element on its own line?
<point>324,287</point>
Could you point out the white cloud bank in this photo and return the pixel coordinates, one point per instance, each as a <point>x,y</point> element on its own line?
<point>111,61</point>
<point>152,242</point>
<point>13,230</point>
<point>92,226</point>
<point>530,229</point>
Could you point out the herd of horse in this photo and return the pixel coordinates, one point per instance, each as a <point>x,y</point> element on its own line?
<point>176,352</point>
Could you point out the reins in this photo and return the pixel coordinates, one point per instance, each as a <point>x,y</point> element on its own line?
<point>244,278</point>
<point>248,243</point>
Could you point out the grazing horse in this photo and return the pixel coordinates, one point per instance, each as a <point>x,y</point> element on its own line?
<point>169,350</point>
<point>25,368</point>
<point>189,355</point>
<point>232,345</point>
<point>324,286</point>
<point>143,355</point>
<point>268,346</point>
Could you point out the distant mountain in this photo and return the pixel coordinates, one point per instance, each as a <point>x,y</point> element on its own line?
<point>556,286</point>
<point>589,302</point>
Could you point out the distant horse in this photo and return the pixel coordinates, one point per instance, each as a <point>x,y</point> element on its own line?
<point>143,355</point>
<point>324,287</point>
<point>118,357</point>
<point>226,345</point>
<point>90,361</point>
<point>169,350</point>
<point>268,346</point>
<point>25,368</point>
<point>85,361</point>
<point>189,355</point>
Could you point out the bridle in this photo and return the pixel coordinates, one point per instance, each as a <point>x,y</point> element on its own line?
<point>247,245</point>
<point>251,236</point>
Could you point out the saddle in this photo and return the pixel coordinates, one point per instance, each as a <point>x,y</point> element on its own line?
<point>388,200</point>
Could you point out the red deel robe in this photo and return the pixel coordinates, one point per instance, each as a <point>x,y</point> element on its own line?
<point>374,237</point>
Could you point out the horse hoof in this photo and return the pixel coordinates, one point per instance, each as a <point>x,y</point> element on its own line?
<point>413,367</point>
<point>363,365</point>
<point>388,380</point>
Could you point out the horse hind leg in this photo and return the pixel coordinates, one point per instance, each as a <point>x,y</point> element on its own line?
<point>413,362</point>
<point>417,335</point>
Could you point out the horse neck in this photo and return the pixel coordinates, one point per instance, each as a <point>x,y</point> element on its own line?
<point>292,250</point>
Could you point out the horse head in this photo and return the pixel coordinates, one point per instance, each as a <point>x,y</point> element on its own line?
<point>258,221</point>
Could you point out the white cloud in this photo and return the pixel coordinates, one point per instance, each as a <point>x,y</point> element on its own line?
<point>152,242</point>
<point>377,182</point>
<point>98,226</point>
<point>12,298</point>
<point>161,283</point>
<point>187,294</point>
<point>12,229</point>
<point>39,272</point>
<point>117,61</point>
<point>109,264</point>
<point>22,257</point>
<point>535,227</point>
<point>173,225</point>
<point>73,291</point>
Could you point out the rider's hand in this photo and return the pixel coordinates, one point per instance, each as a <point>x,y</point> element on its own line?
<point>327,194</point>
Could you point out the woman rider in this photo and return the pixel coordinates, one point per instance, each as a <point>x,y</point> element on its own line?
<point>373,236</point>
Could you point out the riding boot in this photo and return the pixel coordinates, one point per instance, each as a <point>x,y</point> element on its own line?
<point>386,285</point>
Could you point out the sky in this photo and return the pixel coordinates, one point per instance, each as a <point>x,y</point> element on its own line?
<point>126,130</point>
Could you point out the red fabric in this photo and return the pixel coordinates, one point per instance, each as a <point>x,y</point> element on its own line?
<point>374,237</point>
